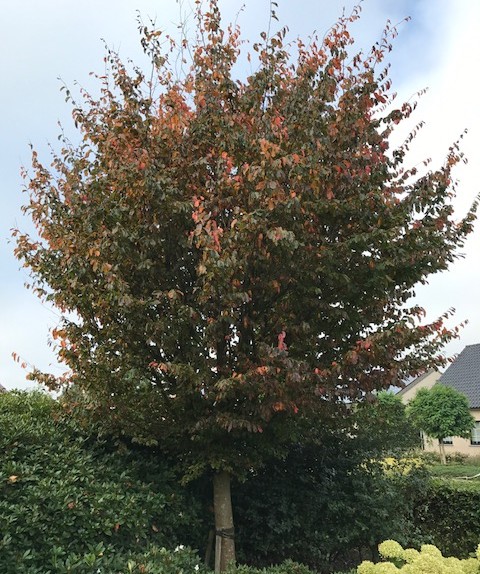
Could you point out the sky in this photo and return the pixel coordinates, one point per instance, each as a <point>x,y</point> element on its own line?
<point>45,44</point>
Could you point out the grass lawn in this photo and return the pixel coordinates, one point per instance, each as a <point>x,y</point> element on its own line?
<point>455,470</point>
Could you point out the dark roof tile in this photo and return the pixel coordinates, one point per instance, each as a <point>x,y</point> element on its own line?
<point>464,375</point>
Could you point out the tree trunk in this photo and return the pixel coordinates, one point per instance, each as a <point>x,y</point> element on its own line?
<point>443,458</point>
<point>224,539</point>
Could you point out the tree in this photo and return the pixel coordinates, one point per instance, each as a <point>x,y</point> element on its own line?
<point>233,257</point>
<point>440,412</point>
<point>384,427</point>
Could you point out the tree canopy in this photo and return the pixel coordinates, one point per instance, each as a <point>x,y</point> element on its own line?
<point>441,412</point>
<point>235,257</point>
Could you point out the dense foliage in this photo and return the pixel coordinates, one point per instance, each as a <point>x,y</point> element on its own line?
<point>63,492</point>
<point>327,506</point>
<point>70,498</point>
<point>236,251</point>
<point>234,254</point>
<point>101,559</point>
<point>383,426</point>
<point>70,502</point>
<point>333,498</point>
<point>287,567</point>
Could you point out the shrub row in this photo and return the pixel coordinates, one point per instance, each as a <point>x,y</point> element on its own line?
<point>65,493</point>
<point>110,560</point>
<point>325,506</point>
<point>67,497</point>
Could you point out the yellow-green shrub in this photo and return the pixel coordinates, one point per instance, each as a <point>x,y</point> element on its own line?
<point>402,464</point>
<point>429,560</point>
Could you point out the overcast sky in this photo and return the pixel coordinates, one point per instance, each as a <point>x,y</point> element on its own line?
<point>41,42</point>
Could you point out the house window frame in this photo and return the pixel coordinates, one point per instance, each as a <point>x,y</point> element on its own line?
<point>475,435</point>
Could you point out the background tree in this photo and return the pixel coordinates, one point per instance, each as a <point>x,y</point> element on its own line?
<point>383,427</point>
<point>440,412</point>
<point>233,256</point>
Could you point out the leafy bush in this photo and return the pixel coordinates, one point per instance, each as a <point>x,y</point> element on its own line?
<point>325,504</point>
<point>384,427</point>
<point>286,567</point>
<point>76,503</point>
<point>107,560</point>
<point>429,560</point>
<point>64,492</point>
<point>429,457</point>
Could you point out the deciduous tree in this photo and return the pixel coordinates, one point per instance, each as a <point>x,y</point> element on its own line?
<point>440,412</point>
<point>235,257</point>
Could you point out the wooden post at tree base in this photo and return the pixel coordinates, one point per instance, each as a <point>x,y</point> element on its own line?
<point>224,531</point>
<point>208,551</point>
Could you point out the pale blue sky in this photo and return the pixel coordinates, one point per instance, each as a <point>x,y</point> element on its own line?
<point>42,41</point>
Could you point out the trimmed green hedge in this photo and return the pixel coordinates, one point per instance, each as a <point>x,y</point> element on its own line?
<point>449,516</point>
<point>286,567</point>
<point>68,499</point>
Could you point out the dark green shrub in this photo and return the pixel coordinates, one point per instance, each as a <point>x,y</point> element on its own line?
<point>68,498</point>
<point>286,567</point>
<point>331,500</point>
<point>326,505</point>
<point>449,515</point>
<point>62,491</point>
<point>383,426</point>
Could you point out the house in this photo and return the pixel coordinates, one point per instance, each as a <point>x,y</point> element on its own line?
<point>2,389</point>
<point>425,381</point>
<point>464,376</point>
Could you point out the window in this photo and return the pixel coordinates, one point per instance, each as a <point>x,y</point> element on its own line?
<point>449,440</point>
<point>475,438</point>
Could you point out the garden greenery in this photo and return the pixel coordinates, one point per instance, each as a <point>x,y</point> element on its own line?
<point>231,254</point>
<point>448,514</point>
<point>67,497</point>
<point>72,502</point>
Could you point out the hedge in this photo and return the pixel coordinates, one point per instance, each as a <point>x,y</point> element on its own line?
<point>66,497</point>
<point>449,516</point>
<point>326,506</point>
